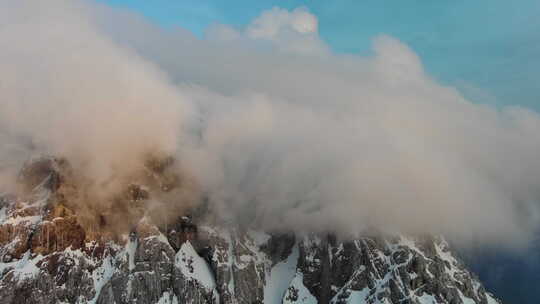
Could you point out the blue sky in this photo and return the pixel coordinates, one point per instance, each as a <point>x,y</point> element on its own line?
<point>488,49</point>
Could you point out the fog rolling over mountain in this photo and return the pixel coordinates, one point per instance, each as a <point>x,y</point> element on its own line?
<point>143,165</point>
<point>48,256</point>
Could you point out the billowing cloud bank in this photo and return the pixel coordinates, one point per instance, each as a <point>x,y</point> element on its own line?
<point>277,130</point>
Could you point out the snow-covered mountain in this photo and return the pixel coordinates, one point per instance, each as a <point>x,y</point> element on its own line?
<point>48,257</point>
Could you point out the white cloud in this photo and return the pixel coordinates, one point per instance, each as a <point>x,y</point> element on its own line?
<point>293,31</point>
<point>276,136</point>
<point>274,22</point>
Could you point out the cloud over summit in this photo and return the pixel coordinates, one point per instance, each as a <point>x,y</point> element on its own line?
<point>277,130</point>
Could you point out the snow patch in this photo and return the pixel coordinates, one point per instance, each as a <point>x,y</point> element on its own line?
<point>280,278</point>
<point>298,293</point>
<point>464,299</point>
<point>491,299</point>
<point>24,268</point>
<point>358,296</point>
<point>131,247</point>
<point>101,276</point>
<point>167,298</point>
<point>194,267</point>
<point>427,299</point>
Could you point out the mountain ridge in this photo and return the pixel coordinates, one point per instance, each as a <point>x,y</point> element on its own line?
<point>47,256</point>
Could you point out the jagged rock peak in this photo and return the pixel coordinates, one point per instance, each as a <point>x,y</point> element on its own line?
<point>47,256</point>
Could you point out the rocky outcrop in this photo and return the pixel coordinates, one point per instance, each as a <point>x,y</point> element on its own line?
<point>47,256</point>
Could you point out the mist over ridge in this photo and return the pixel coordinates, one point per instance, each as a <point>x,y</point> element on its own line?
<point>276,129</point>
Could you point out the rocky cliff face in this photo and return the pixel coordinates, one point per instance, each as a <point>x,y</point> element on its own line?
<point>47,256</point>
